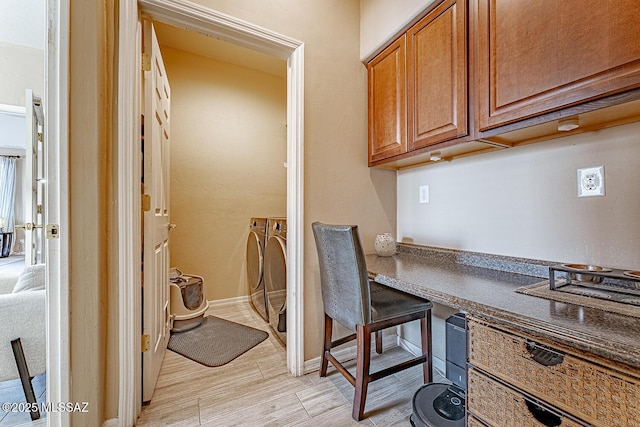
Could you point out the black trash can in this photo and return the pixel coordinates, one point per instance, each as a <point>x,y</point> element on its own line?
<point>439,404</point>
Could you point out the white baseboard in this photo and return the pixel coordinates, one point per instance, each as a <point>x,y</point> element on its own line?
<point>343,355</point>
<point>349,353</point>
<point>438,364</point>
<point>113,422</point>
<point>228,301</point>
<point>389,340</point>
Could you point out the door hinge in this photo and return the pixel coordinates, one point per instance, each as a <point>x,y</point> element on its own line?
<point>146,62</point>
<point>39,209</point>
<point>53,231</point>
<point>146,203</point>
<point>145,343</point>
<point>40,137</point>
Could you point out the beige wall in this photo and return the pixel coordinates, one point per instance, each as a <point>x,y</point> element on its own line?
<point>228,150</point>
<point>381,19</point>
<point>339,187</point>
<point>523,201</point>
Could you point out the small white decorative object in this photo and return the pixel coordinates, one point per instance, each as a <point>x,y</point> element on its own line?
<point>385,245</point>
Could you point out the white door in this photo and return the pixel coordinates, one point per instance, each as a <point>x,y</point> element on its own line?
<point>156,322</point>
<point>34,182</point>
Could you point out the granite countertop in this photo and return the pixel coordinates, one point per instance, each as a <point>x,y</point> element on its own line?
<point>485,285</point>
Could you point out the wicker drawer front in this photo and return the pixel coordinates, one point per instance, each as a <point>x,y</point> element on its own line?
<point>588,391</point>
<point>499,406</point>
<point>473,422</point>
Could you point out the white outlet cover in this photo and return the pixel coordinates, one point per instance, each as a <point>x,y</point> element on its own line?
<point>591,181</point>
<point>424,194</point>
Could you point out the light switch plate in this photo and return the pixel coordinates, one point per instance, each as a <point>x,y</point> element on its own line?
<point>591,181</point>
<point>424,194</point>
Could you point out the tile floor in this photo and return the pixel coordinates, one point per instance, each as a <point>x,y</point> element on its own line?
<point>256,390</point>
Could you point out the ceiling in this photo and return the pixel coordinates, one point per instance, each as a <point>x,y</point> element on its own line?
<point>210,47</point>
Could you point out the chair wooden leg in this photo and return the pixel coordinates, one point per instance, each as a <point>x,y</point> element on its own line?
<point>362,371</point>
<point>326,347</point>
<point>379,342</point>
<point>425,334</point>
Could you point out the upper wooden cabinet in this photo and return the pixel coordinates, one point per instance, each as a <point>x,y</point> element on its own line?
<point>437,77</point>
<point>434,94</point>
<point>539,56</point>
<point>418,86</point>
<point>388,102</point>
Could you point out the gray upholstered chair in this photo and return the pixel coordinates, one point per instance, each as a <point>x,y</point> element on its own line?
<point>363,306</point>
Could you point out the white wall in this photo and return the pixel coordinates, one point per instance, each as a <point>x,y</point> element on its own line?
<point>12,130</point>
<point>22,39</point>
<point>523,201</point>
<point>381,19</point>
<point>12,143</point>
<point>22,22</point>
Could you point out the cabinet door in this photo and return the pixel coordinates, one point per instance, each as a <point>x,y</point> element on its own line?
<point>437,70</point>
<point>387,102</point>
<point>539,56</point>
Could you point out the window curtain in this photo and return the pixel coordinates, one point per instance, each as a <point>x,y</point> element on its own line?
<point>7,192</point>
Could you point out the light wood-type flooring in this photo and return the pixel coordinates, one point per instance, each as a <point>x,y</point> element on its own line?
<point>256,390</point>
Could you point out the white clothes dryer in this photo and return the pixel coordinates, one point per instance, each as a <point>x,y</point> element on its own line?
<point>255,265</point>
<point>275,276</point>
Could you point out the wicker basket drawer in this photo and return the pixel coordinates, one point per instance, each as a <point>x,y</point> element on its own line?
<point>473,422</point>
<point>500,406</point>
<point>591,392</point>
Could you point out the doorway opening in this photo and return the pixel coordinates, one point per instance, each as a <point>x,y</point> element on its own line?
<point>205,21</point>
<point>31,50</point>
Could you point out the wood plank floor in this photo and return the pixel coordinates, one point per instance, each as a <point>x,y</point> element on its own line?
<point>256,390</point>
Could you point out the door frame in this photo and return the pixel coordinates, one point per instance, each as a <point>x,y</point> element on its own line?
<point>56,118</point>
<point>198,18</point>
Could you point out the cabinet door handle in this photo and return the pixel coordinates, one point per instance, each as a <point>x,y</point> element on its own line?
<point>545,417</point>
<point>543,355</point>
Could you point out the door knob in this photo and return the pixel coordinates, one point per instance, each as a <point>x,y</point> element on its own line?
<point>171,226</point>
<point>28,226</point>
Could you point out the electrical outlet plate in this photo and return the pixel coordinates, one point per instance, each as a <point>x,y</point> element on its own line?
<point>591,181</point>
<point>424,194</point>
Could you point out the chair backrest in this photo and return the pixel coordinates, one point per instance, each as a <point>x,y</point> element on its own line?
<point>343,274</point>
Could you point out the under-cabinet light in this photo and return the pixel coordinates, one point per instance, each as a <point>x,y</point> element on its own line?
<point>565,125</point>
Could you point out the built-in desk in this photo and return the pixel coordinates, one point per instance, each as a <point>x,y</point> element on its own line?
<point>590,369</point>
<point>484,285</point>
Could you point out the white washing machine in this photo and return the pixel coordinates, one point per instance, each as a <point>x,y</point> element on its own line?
<point>255,265</point>
<point>275,276</point>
